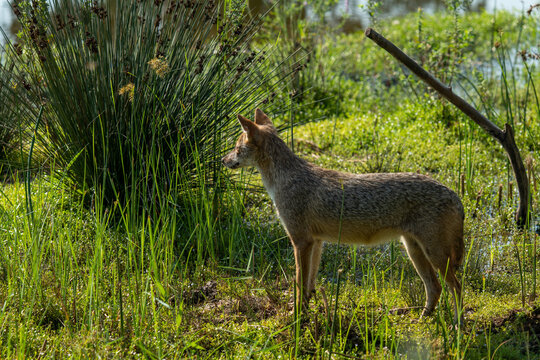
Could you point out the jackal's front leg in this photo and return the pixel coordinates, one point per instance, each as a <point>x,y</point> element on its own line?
<point>302,255</point>
<point>314,265</point>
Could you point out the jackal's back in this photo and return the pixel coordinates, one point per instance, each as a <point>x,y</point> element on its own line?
<point>382,197</point>
<point>366,208</point>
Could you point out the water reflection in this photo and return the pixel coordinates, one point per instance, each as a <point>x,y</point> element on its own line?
<point>354,13</point>
<point>5,15</point>
<point>357,17</point>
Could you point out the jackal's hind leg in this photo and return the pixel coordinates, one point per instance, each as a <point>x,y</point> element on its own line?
<point>427,274</point>
<point>448,271</point>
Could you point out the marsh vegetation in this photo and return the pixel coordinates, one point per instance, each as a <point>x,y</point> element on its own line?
<point>122,236</point>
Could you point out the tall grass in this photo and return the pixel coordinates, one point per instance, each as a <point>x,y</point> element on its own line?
<point>517,94</point>
<point>126,82</point>
<point>69,270</point>
<point>18,97</point>
<point>139,100</point>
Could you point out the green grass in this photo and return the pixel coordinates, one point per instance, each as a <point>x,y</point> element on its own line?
<point>80,283</point>
<point>207,271</point>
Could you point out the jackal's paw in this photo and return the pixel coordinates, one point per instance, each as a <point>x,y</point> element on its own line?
<point>426,312</point>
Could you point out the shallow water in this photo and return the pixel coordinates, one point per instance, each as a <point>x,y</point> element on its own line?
<point>355,7</point>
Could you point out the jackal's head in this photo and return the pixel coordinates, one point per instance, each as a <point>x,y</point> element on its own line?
<point>250,145</point>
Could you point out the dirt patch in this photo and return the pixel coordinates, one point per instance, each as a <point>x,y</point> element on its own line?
<point>207,292</point>
<point>247,306</point>
<point>522,322</point>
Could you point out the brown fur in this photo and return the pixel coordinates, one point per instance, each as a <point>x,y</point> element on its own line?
<point>316,205</point>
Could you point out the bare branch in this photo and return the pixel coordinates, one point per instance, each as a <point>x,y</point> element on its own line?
<point>505,137</point>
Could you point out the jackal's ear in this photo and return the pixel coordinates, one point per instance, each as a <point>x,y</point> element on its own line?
<point>249,127</point>
<point>261,118</point>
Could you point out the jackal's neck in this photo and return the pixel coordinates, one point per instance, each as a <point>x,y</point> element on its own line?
<point>278,163</point>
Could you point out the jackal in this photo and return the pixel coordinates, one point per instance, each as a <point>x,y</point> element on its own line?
<point>316,204</point>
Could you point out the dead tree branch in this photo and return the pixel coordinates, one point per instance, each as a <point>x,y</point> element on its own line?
<point>504,137</point>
